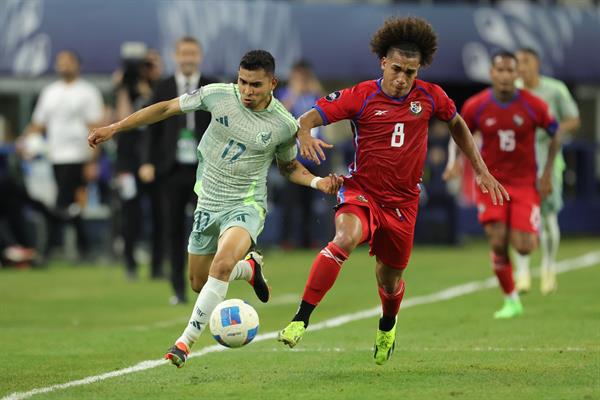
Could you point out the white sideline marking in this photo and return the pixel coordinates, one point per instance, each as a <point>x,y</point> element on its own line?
<point>584,261</point>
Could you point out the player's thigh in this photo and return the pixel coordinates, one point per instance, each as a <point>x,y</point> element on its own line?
<point>199,265</point>
<point>497,234</point>
<point>523,242</point>
<point>352,226</point>
<point>393,240</point>
<point>387,277</point>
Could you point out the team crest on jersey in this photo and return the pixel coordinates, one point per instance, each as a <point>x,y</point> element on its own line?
<point>517,119</point>
<point>415,107</point>
<point>333,96</point>
<point>264,138</point>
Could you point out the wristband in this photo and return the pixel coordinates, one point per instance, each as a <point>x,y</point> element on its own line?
<point>313,183</point>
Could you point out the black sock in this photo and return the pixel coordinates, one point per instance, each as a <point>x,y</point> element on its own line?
<point>303,313</point>
<point>387,323</point>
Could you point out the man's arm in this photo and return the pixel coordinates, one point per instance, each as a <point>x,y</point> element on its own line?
<point>145,116</point>
<point>546,178</point>
<point>570,124</point>
<point>311,148</point>
<point>298,174</point>
<point>464,140</point>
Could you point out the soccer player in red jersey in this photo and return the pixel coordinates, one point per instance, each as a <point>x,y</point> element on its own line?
<point>507,118</point>
<point>379,198</point>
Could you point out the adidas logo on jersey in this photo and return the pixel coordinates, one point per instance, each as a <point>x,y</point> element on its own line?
<point>223,120</point>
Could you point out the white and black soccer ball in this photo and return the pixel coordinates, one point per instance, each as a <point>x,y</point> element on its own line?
<point>234,323</point>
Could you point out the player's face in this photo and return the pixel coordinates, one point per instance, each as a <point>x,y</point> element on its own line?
<point>528,66</point>
<point>188,57</point>
<point>67,65</point>
<point>504,74</point>
<point>256,88</point>
<point>399,73</point>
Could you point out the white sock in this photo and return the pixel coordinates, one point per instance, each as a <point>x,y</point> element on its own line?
<point>241,271</point>
<point>550,239</point>
<point>212,293</point>
<point>513,296</point>
<point>521,263</point>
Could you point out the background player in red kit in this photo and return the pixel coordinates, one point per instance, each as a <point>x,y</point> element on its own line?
<point>379,198</point>
<point>507,119</point>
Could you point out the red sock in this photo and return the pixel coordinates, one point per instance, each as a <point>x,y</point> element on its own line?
<point>390,302</point>
<point>323,273</point>
<point>503,270</point>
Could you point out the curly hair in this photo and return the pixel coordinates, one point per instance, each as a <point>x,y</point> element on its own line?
<point>408,34</point>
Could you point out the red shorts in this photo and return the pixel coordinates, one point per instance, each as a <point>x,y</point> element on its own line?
<point>389,231</point>
<point>521,213</point>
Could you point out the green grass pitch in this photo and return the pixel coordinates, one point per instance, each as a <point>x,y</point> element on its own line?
<point>63,323</point>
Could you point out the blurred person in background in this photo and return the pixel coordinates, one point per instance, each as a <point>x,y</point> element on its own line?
<point>378,201</point>
<point>562,105</point>
<point>134,89</point>
<point>507,119</point>
<point>66,110</point>
<point>300,94</point>
<point>172,157</point>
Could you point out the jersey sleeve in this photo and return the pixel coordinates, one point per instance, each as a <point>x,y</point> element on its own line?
<point>339,105</point>
<point>203,98</point>
<point>445,109</point>
<point>566,103</point>
<point>287,151</point>
<point>468,114</point>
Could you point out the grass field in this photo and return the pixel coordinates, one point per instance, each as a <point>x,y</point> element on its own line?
<point>64,324</point>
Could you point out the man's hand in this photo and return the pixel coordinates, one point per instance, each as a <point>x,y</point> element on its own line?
<point>312,148</point>
<point>488,184</point>
<point>147,173</point>
<point>545,185</point>
<point>100,135</point>
<point>330,184</point>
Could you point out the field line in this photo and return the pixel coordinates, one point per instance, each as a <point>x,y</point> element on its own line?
<point>584,261</point>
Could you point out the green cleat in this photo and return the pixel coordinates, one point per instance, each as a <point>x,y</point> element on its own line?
<point>511,308</point>
<point>292,333</point>
<point>384,345</point>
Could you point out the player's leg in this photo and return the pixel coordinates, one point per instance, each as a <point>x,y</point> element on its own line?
<point>232,246</point>
<point>497,234</point>
<point>392,244</point>
<point>391,291</point>
<point>351,229</point>
<point>522,271</point>
<point>550,234</point>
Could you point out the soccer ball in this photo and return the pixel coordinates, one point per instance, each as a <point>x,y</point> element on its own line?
<point>234,323</point>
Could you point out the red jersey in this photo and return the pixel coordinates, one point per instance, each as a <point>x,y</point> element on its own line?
<point>508,132</point>
<point>390,135</point>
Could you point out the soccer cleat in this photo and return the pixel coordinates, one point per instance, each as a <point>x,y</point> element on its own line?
<point>548,282</point>
<point>511,308</point>
<point>292,333</point>
<point>385,342</point>
<point>178,354</point>
<point>258,281</point>
<point>523,283</point>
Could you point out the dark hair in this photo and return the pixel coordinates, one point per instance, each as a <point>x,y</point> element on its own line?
<point>302,65</point>
<point>503,54</point>
<point>408,35</point>
<point>188,39</point>
<point>530,51</point>
<point>258,59</point>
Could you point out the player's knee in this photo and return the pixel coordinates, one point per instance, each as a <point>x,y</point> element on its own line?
<point>346,241</point>
<point>524,247</point>
<point>221,268</point>
<point>499,247</point>
<point>197,283</point>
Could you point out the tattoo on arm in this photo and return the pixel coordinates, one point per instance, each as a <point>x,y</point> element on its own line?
<point>287,168</point>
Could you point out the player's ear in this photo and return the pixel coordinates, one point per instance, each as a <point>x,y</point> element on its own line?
<point>274,82</point>
<point>383,63</point>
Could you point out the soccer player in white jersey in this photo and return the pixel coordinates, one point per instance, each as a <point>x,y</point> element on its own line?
<point>249,128</point>
<point>563,107</point>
